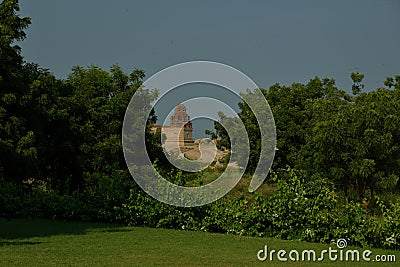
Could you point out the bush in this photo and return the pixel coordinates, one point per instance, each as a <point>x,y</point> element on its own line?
<point>10,201</point>
<point>40,201</point>
<point>103,192</point>
<point>296,211</point>
<point>34,199</point>
<point>142,210</point>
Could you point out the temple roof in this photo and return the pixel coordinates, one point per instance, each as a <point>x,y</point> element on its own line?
<point>180,117</point>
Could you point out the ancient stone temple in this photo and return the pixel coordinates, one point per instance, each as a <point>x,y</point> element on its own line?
<point>179,132</point>
<point>180,117</point>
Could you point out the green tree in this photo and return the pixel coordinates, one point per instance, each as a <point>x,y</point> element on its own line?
<point>96,108</point>
<point>393,82</point>
<point>17,141</point>
<point>11,29</point>
<point>291,110</point>
<point>355,143</point>
<point>357,86</point>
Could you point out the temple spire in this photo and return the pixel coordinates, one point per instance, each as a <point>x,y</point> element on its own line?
<point>180,116</point>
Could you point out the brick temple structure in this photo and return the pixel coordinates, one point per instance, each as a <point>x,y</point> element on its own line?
<point>179,132</point>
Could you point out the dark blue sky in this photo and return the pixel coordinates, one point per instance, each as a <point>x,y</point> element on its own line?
<point>270,41</point>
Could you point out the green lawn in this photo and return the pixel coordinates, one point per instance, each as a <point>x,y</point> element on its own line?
<point>53,243</point>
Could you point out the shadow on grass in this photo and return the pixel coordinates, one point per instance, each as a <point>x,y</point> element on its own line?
<point>115,230</point>
<point>28,228</point>
<point>18,243</point>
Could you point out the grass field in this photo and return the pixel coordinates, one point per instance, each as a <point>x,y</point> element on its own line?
<point>54,243</point>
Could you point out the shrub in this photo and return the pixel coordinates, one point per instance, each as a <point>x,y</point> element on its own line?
<point>296,211</point>
<point>10,201</point>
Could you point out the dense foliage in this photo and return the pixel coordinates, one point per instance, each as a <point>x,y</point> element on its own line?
<point>295,211</point>
<point>324,133</point>
<point>61,155</point>
<point>60,138</point>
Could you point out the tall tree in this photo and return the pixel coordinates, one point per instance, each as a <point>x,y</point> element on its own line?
<point>16,139</point>
<point>356,143</point>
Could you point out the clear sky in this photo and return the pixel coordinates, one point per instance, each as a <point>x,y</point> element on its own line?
<point>270,41</point>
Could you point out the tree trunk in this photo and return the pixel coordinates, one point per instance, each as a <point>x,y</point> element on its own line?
<point>346,196</point>
<point>368,202</point>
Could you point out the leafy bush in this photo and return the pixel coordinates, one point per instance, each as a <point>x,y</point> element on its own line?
<point>296,211</point>
<point>45,203</point>
<point>141,209</point>
<point>34,199</point>
<point>103,192</point>
<point>10,201</point>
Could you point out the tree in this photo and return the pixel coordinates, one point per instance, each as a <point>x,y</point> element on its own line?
<point>17,141</point>
<point>95,108</point>
<point>356,143</point>
<point>11,29</point>
<point>357,82</point>
<point>291,109</point>
<point>393,82</point>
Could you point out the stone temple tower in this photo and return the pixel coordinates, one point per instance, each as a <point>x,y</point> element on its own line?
<point>180,117</point>
<point>179,132</point>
